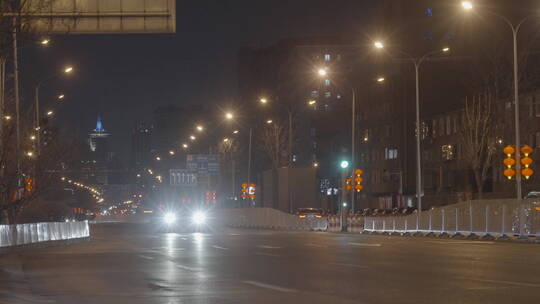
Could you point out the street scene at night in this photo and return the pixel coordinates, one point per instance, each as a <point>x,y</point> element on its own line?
<point>269,151</point>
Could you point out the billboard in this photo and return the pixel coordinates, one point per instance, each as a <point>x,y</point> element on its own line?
<point>104,16</point>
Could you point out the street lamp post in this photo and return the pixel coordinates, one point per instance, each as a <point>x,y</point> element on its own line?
<point>468,5</point>
<point>67,70</point>
<point>417,61</point>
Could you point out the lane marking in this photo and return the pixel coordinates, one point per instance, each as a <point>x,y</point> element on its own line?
<point>146,257</point>
<point>316,245</point>
<point>462,242</point>
<point>268,286</point>
<point>350,265</point>
<point>521,284</point>
<point>188,268</point>
<point>234,234</point>
<point>267,254</point>
<point>219,247</point>
<point>268,247</point>
<point>365,244</point>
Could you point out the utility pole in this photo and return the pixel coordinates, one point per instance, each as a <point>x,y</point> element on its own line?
<point>17,100</point>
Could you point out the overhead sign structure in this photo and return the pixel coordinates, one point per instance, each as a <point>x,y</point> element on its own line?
<point>180,177</point>
<point>103,16</point>
<point>203,163</point>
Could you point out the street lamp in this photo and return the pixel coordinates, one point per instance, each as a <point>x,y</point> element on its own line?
<point>68,69</point>
<point>192,137</point>
<point>417,61</point>
<point>344,164</point>
<point>225,139</point>
<point>158,158</point>
<point>229,116</point>
<point>353,127</point>
<point>322,72</point>
<point>171,152</point>
<point>7,117</point>
<point>50,113</point>
<point>236,132</point>
<point>312,102</point>
<point>185,146</point>
<point>200,128</point>
<point>378,45</point>
<point>61,97</point>
<point>269,121</point>
<point>45,41</point>
<point>263,100</point>
<point>468,6</point>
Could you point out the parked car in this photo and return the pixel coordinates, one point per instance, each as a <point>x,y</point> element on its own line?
<point>309,213</point>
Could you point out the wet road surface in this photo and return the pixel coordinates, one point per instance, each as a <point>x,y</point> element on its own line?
<point>127,263</point>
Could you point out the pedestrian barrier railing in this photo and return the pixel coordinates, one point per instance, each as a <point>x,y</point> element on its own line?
<point>14,235</point>
<point>490,218</point>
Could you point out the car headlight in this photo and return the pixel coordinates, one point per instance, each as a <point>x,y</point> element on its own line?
<point>169,218</point>
<point>199,217</point>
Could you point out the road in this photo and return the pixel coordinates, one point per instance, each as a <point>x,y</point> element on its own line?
<point>125,263</point>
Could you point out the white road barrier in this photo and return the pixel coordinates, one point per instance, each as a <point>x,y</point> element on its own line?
<point>14,235</point>
<point>491,218</point>
<point>268,218</point>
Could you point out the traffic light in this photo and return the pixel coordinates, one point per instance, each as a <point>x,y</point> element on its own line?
<point>358,180</point>
<point>244,190</point>
<point>526,162</point>
<point>509,162</point>
<point>348,184</point>
<point>252,188</point>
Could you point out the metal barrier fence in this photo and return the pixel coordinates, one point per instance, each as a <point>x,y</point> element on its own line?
<point>268,218</point>
<point>14,235</point>
<point>482,217</point>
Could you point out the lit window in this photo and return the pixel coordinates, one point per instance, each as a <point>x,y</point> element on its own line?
<point>327,94</point>
<point>327,82</point>
<point>294,158</point>
<point>429,12</point>
<point>327,57</point>
<point>314,93</point>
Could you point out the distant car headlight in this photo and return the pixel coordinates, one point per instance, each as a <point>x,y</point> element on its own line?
<point>199,218</point>
<point>169,218</point>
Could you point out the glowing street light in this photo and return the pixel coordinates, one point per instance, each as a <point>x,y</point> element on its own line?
<point>467,5</point>
<point>171,152</point>
<point>68,69</point>
<point>312,102</point>
<point>33,137</point>
<point>225,140</point>
<point>185,146</point>
<point>50,113</point>
<point>7,117</point>
<point>344,164</point>
<point>200,128</point>
<point>236,132</point>
<point>269,121</point>
<point>263,100</point>
<point>315,164</point>
<point>61,97</point>
<point>381,79</point>
<point>229,115</point>
<point>158,158</point>
<point>378,44</point>
<point>30,154</point>
<point>192,137</point>
<point>322,72</point>
<point>45,41</point>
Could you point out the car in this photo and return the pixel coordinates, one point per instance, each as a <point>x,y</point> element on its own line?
<point>533,194</point>
<point>182,220</point>
<point>309,213</point>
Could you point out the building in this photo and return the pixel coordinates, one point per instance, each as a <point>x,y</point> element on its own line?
<point>478,62</point>
<point>98,156</point>
<point>141,146</point>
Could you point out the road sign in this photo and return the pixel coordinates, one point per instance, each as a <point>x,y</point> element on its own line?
<point>104,16</point>
<point>203,163</point>
<point>181,177</point>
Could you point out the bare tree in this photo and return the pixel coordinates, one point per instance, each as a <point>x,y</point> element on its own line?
<point>274,139</point>
<point>477,137</point>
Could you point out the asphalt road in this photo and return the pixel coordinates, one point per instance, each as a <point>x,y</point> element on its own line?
<point>124,263</point>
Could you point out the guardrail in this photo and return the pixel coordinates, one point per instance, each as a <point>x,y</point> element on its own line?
<point>488,218</point>
<point>268,218</point>
<point>14,235</point>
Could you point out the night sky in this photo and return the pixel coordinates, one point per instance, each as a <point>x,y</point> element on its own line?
<point>124,77</point>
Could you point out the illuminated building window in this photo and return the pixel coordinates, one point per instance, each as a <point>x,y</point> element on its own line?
<point>327,57</point>
<point>314,93</point>
<point>327,82</point>
<point>327,94</point>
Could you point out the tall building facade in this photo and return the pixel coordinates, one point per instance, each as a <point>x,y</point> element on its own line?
<point>141,146</point>
<point>97,156</point>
